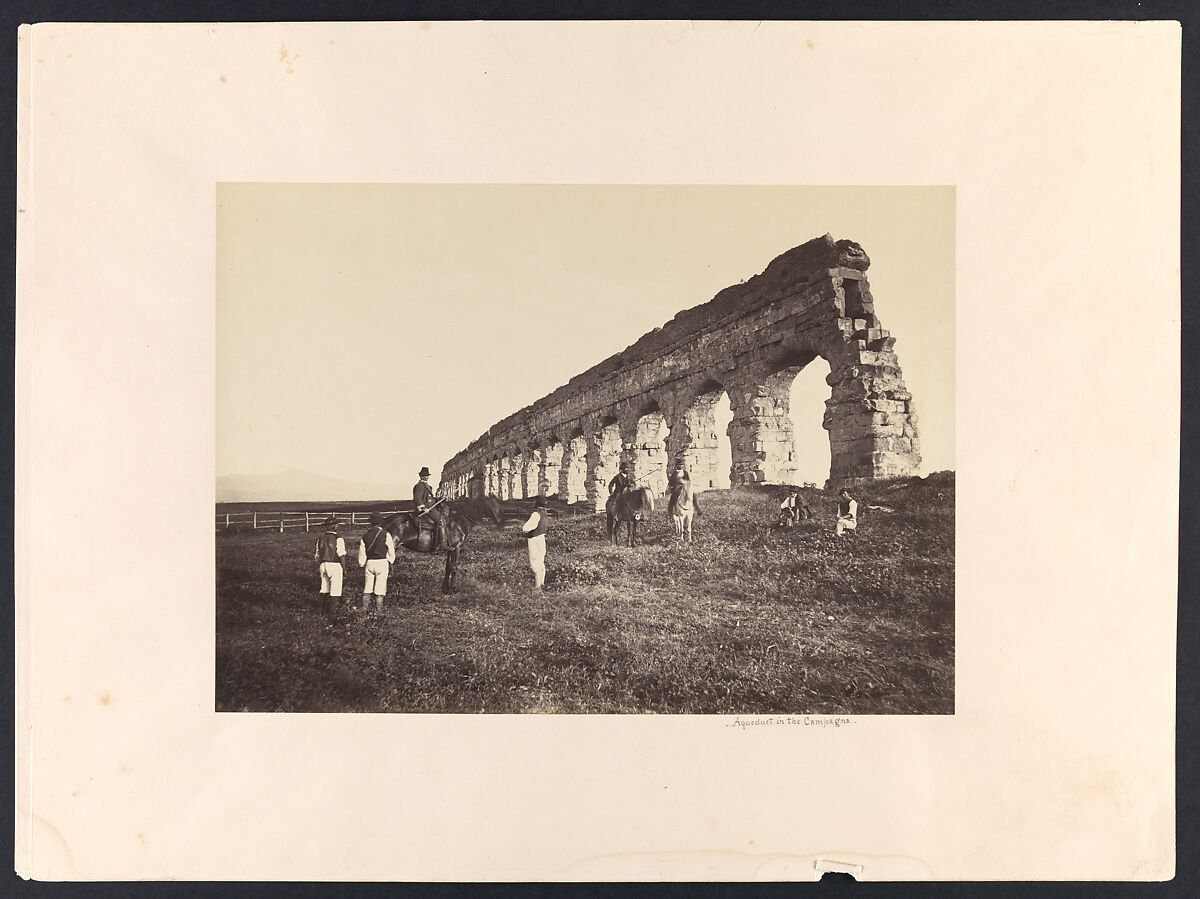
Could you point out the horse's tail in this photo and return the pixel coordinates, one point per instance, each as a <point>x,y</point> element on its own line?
<point>649,497</point>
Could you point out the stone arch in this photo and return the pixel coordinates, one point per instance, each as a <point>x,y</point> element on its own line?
<point>604,449</point>
<point>552,457</point>
<point>476,483</point>
<point>491,476</point>
<point>516,474</point>
<point>572,473</point>
<point>505,477</point>
<point>644,435</point>
<point>532,469</point>
<point>694,440</point>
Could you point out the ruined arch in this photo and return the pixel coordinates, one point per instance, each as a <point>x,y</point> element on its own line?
<point>572,472</point>
<point>812,301</point>
<point>531,469</point>
<point>645,430</point>
<point>604,449</point>
<point>505,477</point>
<point>548,474</point>
<point>695,438</point>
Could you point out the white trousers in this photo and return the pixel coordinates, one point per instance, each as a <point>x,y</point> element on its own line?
<point>845,524</point>
<point>537,558</point>
<point>375,574</point>
<point>331,578</point>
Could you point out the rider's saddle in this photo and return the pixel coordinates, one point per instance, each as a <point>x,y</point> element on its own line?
<point>429,535</point>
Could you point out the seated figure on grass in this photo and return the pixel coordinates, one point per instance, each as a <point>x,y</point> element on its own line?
<point>847,517</point>
<point>793,509</point>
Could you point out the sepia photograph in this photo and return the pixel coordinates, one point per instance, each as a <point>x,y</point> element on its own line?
<point>576,448</point>
<point>621,439</point>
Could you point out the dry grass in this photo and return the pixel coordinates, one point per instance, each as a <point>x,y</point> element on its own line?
<point>748,619</point>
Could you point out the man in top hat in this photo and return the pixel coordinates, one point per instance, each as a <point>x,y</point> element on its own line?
<point>621,482</point>
<point>847,517</point>
<point>376,553</point>
<point>423,499</point>
<point>534,530</point>
<point>330,554</point>
<point>793,508</point>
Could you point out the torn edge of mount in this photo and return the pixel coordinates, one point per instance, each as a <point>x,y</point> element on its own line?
<point>824,865</point>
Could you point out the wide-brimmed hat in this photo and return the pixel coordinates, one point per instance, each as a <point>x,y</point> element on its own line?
<point>376,518</point>
<point>541,502</point>
<point>424,472</point>
<point>795,488</point>
<point>331,521</point>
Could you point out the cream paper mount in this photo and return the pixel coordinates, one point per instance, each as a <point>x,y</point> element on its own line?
<point>1061,141</point>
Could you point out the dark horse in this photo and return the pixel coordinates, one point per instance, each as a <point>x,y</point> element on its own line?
<point>458,519</point>
<point>628,507</point>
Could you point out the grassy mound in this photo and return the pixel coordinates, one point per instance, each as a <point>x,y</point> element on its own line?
<point>749,618</point>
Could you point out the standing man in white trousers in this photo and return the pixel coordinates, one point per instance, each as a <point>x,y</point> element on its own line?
<point>330,554</point>
<point>535,538</point>
<point>376,553</point>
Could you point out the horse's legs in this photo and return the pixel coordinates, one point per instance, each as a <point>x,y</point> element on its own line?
<point>451,571</point>
<point>632,532</point>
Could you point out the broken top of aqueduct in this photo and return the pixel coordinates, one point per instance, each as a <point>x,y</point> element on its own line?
<point>655,401</point>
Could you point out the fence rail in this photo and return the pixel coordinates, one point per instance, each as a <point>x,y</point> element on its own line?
<point>282,520</point>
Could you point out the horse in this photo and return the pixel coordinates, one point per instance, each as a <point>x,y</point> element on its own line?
<point>457,521</point>
<point>627,506</point>
<point>682,507</point>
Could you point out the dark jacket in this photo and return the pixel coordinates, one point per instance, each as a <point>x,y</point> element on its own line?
<point>423,494</point>
<point>327,547</point>
<point>620,483</point>
<point>376,543</point>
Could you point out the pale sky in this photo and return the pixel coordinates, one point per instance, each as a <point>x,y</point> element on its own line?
<point>366,330</point>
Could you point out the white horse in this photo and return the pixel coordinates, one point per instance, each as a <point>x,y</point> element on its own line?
<point>682,508</point>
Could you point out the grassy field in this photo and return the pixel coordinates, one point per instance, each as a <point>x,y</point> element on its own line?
<point>747,619</point>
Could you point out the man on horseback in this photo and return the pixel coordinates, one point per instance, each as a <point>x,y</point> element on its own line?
<point>622,482</point>
<point>429,516</point>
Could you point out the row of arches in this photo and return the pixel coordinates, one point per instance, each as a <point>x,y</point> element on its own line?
<point>699,429</point>
<point>669,408</point>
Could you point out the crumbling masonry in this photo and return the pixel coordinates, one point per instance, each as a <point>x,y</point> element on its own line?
<point>654,403</point>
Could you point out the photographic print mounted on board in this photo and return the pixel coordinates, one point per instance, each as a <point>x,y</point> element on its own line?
<point>585,448</point>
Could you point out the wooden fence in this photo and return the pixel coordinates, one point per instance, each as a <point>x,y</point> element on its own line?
<point>282,520</point>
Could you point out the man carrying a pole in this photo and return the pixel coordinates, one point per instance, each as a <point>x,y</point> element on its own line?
<point>427,515</point>
<point>376,553</point>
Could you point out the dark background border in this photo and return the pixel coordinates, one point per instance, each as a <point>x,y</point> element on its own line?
<point>1187,881</point>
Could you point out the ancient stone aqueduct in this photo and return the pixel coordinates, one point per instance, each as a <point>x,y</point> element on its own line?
<point>654,403</point>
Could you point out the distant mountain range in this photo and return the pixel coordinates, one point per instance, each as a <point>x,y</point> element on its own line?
<point>298,486</point>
